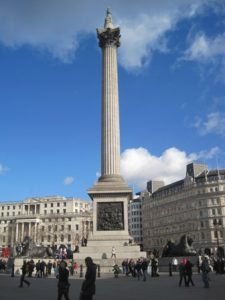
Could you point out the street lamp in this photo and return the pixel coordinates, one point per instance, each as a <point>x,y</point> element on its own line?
<point>217,223</point>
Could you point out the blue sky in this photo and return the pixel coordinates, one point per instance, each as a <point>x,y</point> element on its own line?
<point>171,89</point>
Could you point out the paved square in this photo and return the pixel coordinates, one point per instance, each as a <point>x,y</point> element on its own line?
<point>123,288</point>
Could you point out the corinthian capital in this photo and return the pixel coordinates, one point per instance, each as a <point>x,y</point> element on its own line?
<point>109,37</point>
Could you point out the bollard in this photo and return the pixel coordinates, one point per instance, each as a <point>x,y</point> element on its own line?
<point>81,271</point>
<point>99,275</point>
<point>170,269</point>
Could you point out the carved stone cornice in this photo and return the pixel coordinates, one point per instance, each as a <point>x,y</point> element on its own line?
<point>109,37</point>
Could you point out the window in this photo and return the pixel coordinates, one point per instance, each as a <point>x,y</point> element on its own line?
<point>77,227</point>
<point>62,238</point>
<point>64,211</point>
<point>8,207</point>
<point>62,227</point>
<point>49,228</point>
<point>57,211</point>
<point>51,204</point>
<point>45,204</point>
<point>45,212</point>
<point>58,204</point>
<point>219,211</point>
<point>43,228</point>
<point>49,238</point>
<point>14,207</point>
<point>69,237</point>
<point>64,203</point>
<point>4,229</point>
<point>2,207</point>
<point>55,227</point>
<point>69,227</point>
<point>213,211</point>
<point>51,211</point>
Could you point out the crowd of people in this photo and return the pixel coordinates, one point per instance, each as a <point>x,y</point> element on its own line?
<point>42,269</point>
<point>141,267</point>
<point>61,269</point>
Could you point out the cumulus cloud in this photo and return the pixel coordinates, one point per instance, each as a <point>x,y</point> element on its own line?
<point>59,26</point>
<point>138,165</point>
<point>206,49</point>
<point>214,123</point>
<point>68,180</point>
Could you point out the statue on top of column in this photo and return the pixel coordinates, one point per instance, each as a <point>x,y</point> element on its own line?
<point>109,35</point>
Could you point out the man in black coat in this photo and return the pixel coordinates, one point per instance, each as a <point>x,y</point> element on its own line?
<point>88,285</point>
<point>22,278</point>
<point>63,283</point>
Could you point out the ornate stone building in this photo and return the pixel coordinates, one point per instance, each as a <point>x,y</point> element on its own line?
<point>47,220</point>
<point>194,206</point>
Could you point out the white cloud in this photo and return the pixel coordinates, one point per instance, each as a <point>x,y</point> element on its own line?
<point>205,49</point>
<point>68,180</point>
<point>56,25</point>
<point>3,169</point>
<point>214,123</point>
<point>139,166</point>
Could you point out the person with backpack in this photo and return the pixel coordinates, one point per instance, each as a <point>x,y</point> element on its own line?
<point>205,268</point>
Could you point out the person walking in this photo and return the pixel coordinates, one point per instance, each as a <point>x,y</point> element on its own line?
<point>188,269</point>
<point>182,272</point>
<point>24,271</point>
<point>205,268</point>
<point>88,288</point>
<point>113,252</point>
<point>63,283</point>
<point>144,267</point>
<point>138,268</point>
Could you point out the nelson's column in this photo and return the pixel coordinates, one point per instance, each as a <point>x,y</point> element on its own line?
<point>110,194</point>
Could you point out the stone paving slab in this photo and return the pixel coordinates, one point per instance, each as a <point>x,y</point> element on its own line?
<point>123,288</point>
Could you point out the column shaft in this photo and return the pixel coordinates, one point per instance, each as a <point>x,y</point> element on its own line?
<point>110,114</point>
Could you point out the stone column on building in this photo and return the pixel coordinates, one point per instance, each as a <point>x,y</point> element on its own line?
<point>35,232</point>
<point>29,228</point>
<point>22,232</point>
<point>17,232</point>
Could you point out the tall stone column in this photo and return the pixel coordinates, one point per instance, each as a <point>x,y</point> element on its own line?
<point>109,41</point>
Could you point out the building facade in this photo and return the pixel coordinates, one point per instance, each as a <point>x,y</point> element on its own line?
<point>48,220</point>
<point>135,219</point>
<point>194,206</point>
